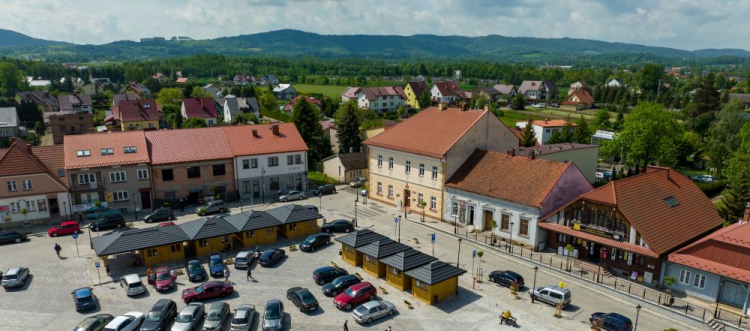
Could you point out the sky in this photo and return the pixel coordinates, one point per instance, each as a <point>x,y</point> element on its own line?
<point>682,24</point>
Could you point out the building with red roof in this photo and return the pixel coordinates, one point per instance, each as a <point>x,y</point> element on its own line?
<point>445,92</point>
<point>203,108</point>
<point>381,99</point>
<point>578,99</point>
<point>543,129</point>
<point>138,114</point>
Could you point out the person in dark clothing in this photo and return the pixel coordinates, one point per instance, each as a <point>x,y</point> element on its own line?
<point>57,249</point>
<point>346,327</point>
<point>182,204</point>
<point>80,218</point>
<point>249,273</point>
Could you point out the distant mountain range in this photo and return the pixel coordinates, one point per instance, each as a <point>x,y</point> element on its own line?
<point>294,43</point>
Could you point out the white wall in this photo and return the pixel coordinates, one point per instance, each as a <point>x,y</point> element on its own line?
<point>334,169</point>
<point>282,169</point>
<point>37,212</point>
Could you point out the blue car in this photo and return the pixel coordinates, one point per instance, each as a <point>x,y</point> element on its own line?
<point>216,265</point>
<point>84,298</point>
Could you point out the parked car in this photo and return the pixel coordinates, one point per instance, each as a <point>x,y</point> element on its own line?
<point>372,310</point>
<point>12,237</point>
<point>161,314</point>
<point>15,277</point>
<point>162,279</point>
<point>302,299</point>
<point>339,284</point>
<point>271,256</point>
<point>312,208</point>
<point>84,298</point>
<point>216,265</point>
<point>325,275</point>
<point>273,316</point>
<point>338,226</point>
<point>170,223</point>
<point>506,278</point>
<point>555,105</point>
<point>355,295</point>
<point>65,228</point>
<point>132,284</point>
<point>611,322</point>
<point>216,316</point>
<point>118,230</point>
<point>242,318</point>
<point>325,190</point>
<point>94,323</point>
<point>207,290</point>
<point>128,322</point>
<point>108,222</point>
<point>243,259</point>
<point>539,105</point>
<point>188,317</point>
<point>357,183</point>
<point>292,195</point>
<point>216,206</point>
<point>703,178</point>
<point>195,271</point>
<point>159,215</point>
<point>314,241</point>
<point>551,295</point>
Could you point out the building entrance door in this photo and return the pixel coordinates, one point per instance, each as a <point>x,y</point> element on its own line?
<point>471,215</point>
<point>407,198</point>
<point>145,200</point>
<point>487,220</point>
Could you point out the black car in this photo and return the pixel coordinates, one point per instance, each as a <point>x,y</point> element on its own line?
<point>270,257</point>
<point>324,275</point>
<point>314,241</point>
<point>195,271</point>
<point>159,215</point>
<point>302,298</point>
<point>160,316</point>
<point>338,226</point>
<point>324,190</point>
<point>84,298</point>
<point>108,222</point>
<point>340,284</point>
<point>506,278</point>
<point>312,208</point>
<point>12,237</point>
<point>611,322</point>
<point>94,323</point>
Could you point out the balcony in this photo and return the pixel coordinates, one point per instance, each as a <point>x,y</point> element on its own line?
<point>93,186</point>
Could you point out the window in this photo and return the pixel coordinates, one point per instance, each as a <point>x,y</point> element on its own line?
<point>433,203</point>
<point>505,222</point>
<point>390,191</point>
<point>254,163</point>
<point>269,230</point>
<point>434,172</point>
<point>86,178</point>
<point>203,243</point>
<point>167,175</point>
<point>290,159</point>
<point>454,208</point>
<point>31,205</point>
<point>420,199</point>
<point>524,229</point>
<point>390,163</point>
<point>370,259</point>
<point>245,164</point>
<point>290,182</point>
<point>193,172</point>
<point>355,173</point>
<point>561,238</point>
<point>250,234</point>
<point>176,247</point>
<point>700,281</point>
<point>120,195</point>
<point>380,188</point>
<point>210,122</point>
<point>12,186</point>
<point>274,184</point>
<point>671,202</point>
<point>26,183</point>
<point>408,167</point>
<point>685,277</point>
<point>172,195</point>
<point>107,151</point>
<point>118,176</point>
<point>83,153</point>
<point>421,170</point>
<point>129,149</point>
<point>394,271</point>
<point>142,173</point>
<point>273,161</point>
<point>298,159</point>
<point>380,161</point>
<point>422,285</point>
<point>219,170</point>
<point>15,207</point>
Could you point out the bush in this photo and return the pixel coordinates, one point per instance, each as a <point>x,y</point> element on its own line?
<point>712,189</point>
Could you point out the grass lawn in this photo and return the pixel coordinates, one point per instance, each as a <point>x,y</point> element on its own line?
<point>320,178</point>
<point>330,91</point>
<point>510,118</point>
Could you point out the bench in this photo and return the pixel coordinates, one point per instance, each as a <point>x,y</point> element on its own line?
<point>408,304</point>
<point>292,248</point>
<point>415,240</point>
<point>383,290</point>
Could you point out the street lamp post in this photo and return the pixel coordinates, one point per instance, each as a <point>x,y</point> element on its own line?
<point>65,209</point>
<point>637,312</point>
<point>458,257</point>
<point>455,224</point>
<point>536,268</point>
<point>320,201</point>
<point>355,209</point>
<point>240,205</point>
<point>718,298</point>
<point>399,228</point>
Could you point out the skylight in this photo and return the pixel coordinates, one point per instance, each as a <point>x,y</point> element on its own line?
<point>671,202</point>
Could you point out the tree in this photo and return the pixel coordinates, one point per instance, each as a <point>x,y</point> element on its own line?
<point>187,90</point>
<point>198,92</point>
<point>582,133</point>
<point>10,79</point>
<point>29,113</point>
<point>555,137</point>
<point>706,101</point>
<point>619,120</point>
<point>152,84</point>
<point>519,102</point>
<point>648,77</point>
<point>737,193</point>
<point>169,96</point>
<point>601,119</point>
<point>348,133</point>
<point>425,100</point>
<point>307,120</point>
<point>400,113</point>
<point>268,102</point>
<point>194,123</point>
<point>724,134</point>
<point>528,139</point>
<point>568,132</point>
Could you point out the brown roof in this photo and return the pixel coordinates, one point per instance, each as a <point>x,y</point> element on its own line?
<point>94,143</point>
<point>502,176</point>
<point>353,161</point>
<point>552,148</point>
<point>243,142</point>
<point>584,97</point>
<point>199,107</point>
<point>188,145</point>
<point>53,157</point>
<point>418,87</point>
<point>447,88</point>
<point>547,123</point>
<point>138,110</point>
<point>23,159</point>
<point>725,252</point>
<point>430,132</point>
<point>372,93</point>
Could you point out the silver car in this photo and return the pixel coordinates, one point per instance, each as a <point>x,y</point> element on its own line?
<point>242,259</point>
<point>216,316</point>
<point>216,206</point>
<point>273,316</point>
<point>373,310</point>
<point>357,182</point>
<point>188,317</point>
<point>15,277</point>
<point>243,317</point>
<point>292,195</point>
<point>132,284</point>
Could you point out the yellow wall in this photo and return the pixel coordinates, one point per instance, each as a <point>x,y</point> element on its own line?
<point>259,237</point>
<point>373,267</point>
<point>400,281</point>
<point>138,125</point>
<point>442,290</point>
<point>205,247</point>
<point>299,229</point>
<point>411,98</point>
<point>163,254</point>
<point>368,134</point>
<point>349,255</point>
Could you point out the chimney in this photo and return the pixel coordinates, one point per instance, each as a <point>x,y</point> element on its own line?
<point>464,106</point>
<point>486,107</point>
<point>46,94</point>
<point>532,155</point>
<point>747,214</point>
<point>275,129</point>
<point>441,106</point>
<point>546,119</point>
<point>255,133</point>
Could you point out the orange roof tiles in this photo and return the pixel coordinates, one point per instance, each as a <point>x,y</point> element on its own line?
<point>725,252</point>
<point>53,157</point>
<point>243,142</point>
<point>21,159</point>
<point>431,132</point>
<point>188,145</point>
<point>94,143</point>
<point>551,123</point>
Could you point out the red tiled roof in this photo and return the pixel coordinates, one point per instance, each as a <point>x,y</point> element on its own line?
<point>583,98</point>
<point>53,157</point>
<point>138,110</point>
<point>95,142</point>
<point>242,141</point>
<point>430,132</point>
<point>22,159</point>
<point>447,88</point>
<point>199,107</point>
<point>551,123</point>
<point>372,93</point>
<point>188,145</point>
<point>182,80</point>
<point>559,228</point>
<point>288,106</point>
<point>725,252</point>
<point>351,92</point>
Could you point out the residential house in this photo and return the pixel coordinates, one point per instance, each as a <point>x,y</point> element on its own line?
<point>614,83</point>
<point>483,194</point>
<point>69,124</point>
<point>351,242</point>
<point>215,91</point>
<point>602,135</point>
<point>410,162</point>
<point>35,182</point>
<point>630,225</point>
<point>162,78</point>
<point>350,93</point>
<point>93,88</point>
<point>234,106</point>
<point>489,93</point>
<point>269,80</point>
<point>381,99</point>
<point>296,221</point>
<point>290,106</point>
<point>578,86</point>
<point>285,92</point>
<point>136,88</point>
<point>110,169</point>
<point>242,79</point>
<point>139,114</point>
<point>584,156</point>
<point>38,82</point>
<point>744,98</point>
<point>414,90</point>
<point>72,104</point>
<point>464,96</point>
<point>256,228</point>
<point>715,268</point>
<point>190,164</point>
<point>434,282</point>
<point>182,80</point>
<point>203,108</point>
<point>369,133</point>
<point>537,90</point>
<point>444,92</point>
<point>543,128</point>
<point>46,102</point>
<point>507,90</point>
<point>346,167</point>
<point>9,123</point>
<point>330,130</point>
<point>266,159</point>
<point>578,100</point>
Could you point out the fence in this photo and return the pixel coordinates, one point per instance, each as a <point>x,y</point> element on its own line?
<point>600,276</point>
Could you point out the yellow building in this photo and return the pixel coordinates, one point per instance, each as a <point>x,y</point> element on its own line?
<point>154,245</point>
<point>413,91</point>
<point>398,264</point>
<point>434,282</point>
<point>296,221</point>
<point>140,114</point>
<point>375,251</point>
<point>163,254</point>
<point>354,240</point>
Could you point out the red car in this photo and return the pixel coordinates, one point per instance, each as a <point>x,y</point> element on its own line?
<point>354,295</point>
<point>162,279</point>
<point>166,224</point>
<point>207,290</point>
<point>64,228</point>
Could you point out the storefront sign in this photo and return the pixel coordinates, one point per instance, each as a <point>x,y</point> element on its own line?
<point>596,231</point>
<point>5,208</point>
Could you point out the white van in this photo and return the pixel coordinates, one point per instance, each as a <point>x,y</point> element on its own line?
<point>552,295</point>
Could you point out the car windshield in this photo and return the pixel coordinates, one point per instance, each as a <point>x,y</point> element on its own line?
<point>306,296</point>
<point>272,313</point>
<point>9,277</point>
<point>162,276</point>
<point>350,292</point>
<point>337,282</point>
<point>153,316</point>
<point>83,299</point>
<point>240,259</point>
<point>184,318</point>
<point>194,266</point>
<point>199,289</point>
<point>215,262</point>
<point>134,285</point>
<point>213,316</point>
<point>310,240</point>
<point>240,320</point>
<point>361,309</point>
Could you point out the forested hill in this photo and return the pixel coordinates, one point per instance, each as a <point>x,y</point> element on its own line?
<point>293,43</point>
<point>12,38</point>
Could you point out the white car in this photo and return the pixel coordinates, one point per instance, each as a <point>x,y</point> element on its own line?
<point>242,318</point>
<point>129,322</point>
<point>539,105</point>
<point>132,284</point>
<point>15,277</point>
<point>373,310</point>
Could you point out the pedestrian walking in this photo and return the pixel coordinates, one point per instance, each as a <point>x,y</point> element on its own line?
<point>173,273</point>
<point>249,273</point>
<point>57,249</point>
<point>226,274</point>
<point>80,218</point>
<point>182,204</point>
<point>107,269</point>
<point>346,327</point>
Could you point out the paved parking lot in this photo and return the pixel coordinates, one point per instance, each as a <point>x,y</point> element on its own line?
<point>45,302</point>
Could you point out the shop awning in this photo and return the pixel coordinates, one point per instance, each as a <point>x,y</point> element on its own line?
<point>597,239</point>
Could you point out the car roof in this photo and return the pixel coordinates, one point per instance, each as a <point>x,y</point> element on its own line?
<point>159,305</point>
<point>12,271</point>
<point>69,223</point>
<point>193,261</point>
<point>82,292</point>
<point>219,305</point>
<point>132,278</point>
<point>272,303</point>
<point>189,309</point>
<point>556,288</point>
<point>618,316</point>
<point>511,273</point>
<point>325,268</point>
<point>371,304</point>
<point>357,287</point>
<point>243,254</point>
<point>161,269</point>
<point>245,306</point>
<point>214,256</point>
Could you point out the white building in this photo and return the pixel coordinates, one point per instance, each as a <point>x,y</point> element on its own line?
<point>445,92</point>
<point>543,128</point>
<point>381,99</point>
<point>614,83</point>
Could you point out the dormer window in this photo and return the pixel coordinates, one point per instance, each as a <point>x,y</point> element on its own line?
<point>129,149</point>
<point>671,202</point>
<point>83,153</point>
<point>108,151</point>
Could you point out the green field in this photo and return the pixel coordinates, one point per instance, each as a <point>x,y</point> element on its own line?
<point>510,118</point>
<point>331,91</point>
